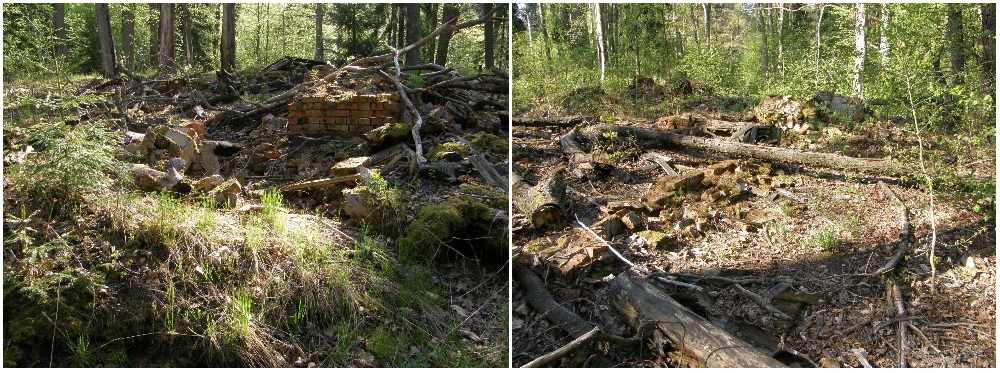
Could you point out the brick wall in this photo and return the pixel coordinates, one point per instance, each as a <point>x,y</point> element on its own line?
<point>333,109</point>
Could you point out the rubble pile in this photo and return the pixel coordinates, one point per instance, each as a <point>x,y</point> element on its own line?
<point>352,103</point>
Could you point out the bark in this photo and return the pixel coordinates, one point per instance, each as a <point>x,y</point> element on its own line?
<point>167,38</point>
<point>763,37</point>
<point>59,23</point>
<point>881,167</point>
<point>956,42</point>
<point>432,47</point>
<point>186,34</point>
<point>781,41</point>
<point>107,42</point>
<point>989,36</point>
<point>859,51</point>
<point>488,39</point>
<point>228,43</point>
<point>319,32</point>
<point>412,32</point>
<point>542,203</point>
<point>819,44</point>
<point>683,329</point>
<point>154,35</point>
<point>531,39</point>
<point>401,30</point>
<point>883,45</point>
<point>708,25</point>
<point>545,34</point>
<point>600,38</point>
<point>539,299</point>
<point>128,35</point>
<point>569,121</point>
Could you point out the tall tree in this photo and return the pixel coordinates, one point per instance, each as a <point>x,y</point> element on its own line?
<point>167,38</point>
<point>412,32</point>
<point>401,30</point>
<point>819,41</point>
<point>449,13</point>
<point>781,41</point>
<point>488,38</point>
<point>432,14</point>
<point>228,43</point>
<point>128,34</point>
<point>989,36</point>
<point>107,41</point>
<point>319,32</point>
<point>956,42</point>
<point>859,51</point>
<point>59,23</point>
<point>527,22</point>
<point>186,34</point>
<point>883,45</point>
<point>600,38</point>
<point>545,34</point>
<point>707,7</point>
<point>763,37</point>
<point>154,35</point>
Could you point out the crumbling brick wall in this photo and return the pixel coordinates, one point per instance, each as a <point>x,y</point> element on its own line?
<point>335,107</point>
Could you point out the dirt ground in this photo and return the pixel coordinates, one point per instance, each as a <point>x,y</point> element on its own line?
<point>822,239</point>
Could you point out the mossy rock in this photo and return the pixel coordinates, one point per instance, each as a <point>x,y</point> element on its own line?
<point>435,152</point>
<point>459,227</point>
<point>394,133</point>
<point>493,146</point>
<point>657,240</point>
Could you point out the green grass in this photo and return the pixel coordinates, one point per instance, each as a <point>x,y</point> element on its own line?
<point>827,240</point>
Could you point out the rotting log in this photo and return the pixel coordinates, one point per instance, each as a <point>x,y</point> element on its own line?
<point>542,203</point>
<point>569,121</point>
<point>321,182</point>
<point>581,163</point>
<point>879,166</point>
<point>684,330</point>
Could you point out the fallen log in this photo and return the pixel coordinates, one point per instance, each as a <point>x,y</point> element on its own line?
<point>682,329</point>
<point>569,121</point>
<point>767,153</point>
<point>321,182</point>
<point>542,203</point>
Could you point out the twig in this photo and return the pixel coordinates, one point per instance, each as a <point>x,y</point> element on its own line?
<point>762,302</point>
<point>928,342</point>
<point>52,348</point>
<point>595,334</point>
<point>861,357</point>
<point>613,251</point>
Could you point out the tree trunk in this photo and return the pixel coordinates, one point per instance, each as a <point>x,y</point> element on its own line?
<point>167,39</point>
<point>228,44</point>
<point>645,137</point>
<point>683,329</point>
<point>545,34</point>
<point>401,30</point>
<point>154,35</point>
<point>819,44</point>
<point>677,32</point>
<point>319,32</point>
<point>527,22</point>
<point>883,45</point>
<point>956,42</point>
<point>412,32</point>
<point>107,41</point>
<point>781,42</point>
<point>128,35</point>
<point>59,23</point>
<point>488,39</point>
<point>859,51</point>
<point>432,46</point>
<point>186,34</point>
<point>449,13</point>
<point>763,38</point>
<point>600,38</point>
<point>542,203</point>
<point>989,36</point>
<point>708,25</point>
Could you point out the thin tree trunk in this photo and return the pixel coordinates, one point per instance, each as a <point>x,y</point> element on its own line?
<point>186,34</point>
<point>989,36</point>
<point>154,35</point>
<point>59,23</point>
<point>412,32</point>
<point>708,25</point>
<point>401,31</point>
<point>319,32</point>
<point>488,39</point>
<point>694,25</point>
<point>391,25</point>
<point>819,44</point>
<point>449,12</point>
<point>859,51</point>
<point>677,32</point>
<point>128,35</point>
<point>545,34</point>
<point>781,42</point>
<point>107,41</point>
<point>527,21</point>
<point>600,38</point>
<point>228,45</point>
<point>167,38</point>
<point>956,42</point>
<point>432,46</point>
<point>883,45</point>
<point>763,37</point>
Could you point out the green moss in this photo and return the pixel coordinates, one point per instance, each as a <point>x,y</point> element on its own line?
<point>435,152</point>
<point>657,240</point>
<point>458,226</point>
<point>489,144</point>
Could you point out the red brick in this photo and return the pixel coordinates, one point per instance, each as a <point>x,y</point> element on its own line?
<point>376,122</point>
<point>341,113</point>
<point>342,106</point>
<point>362,113</point>
<point>352,106</point>
<point>364,121</point>
<point>341,127</point>
<point>312,99</point>
<point>293,107</point>
<point>294,127</point>
<point>340,121</point>
<point>364,106</point>
<point>315,119</point>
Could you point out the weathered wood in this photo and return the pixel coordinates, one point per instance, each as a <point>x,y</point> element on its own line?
<point>683,329</point>
<point>321,182</point>
<point>543,202</point>
<point>766,153</point>
<point>569,121</point>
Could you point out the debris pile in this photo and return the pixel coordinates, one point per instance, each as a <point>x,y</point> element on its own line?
<point>353,102</point>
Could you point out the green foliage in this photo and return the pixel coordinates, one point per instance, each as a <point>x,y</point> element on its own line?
<point>459,226</point>
<point>827,240</point>
<point>71,164</point>
<point>619,148</point>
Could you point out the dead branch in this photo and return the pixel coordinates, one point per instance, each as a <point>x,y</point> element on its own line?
<point>548,121</point>
<point>595,334</point>
<point>763,303</point>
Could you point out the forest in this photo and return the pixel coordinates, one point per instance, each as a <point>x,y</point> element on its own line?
<point>255,185</point>
<point>753,185</point>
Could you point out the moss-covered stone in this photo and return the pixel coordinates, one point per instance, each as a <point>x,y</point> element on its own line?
<point>457,227</point>
<point>493,146</point>
<point>657,240</point>
<point>435,152</point>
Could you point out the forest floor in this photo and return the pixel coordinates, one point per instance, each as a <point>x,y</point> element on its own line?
<point>811,248</point>
<point>249,276</point>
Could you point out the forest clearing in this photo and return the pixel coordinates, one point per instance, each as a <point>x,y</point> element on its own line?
<point>754,185</point>
<point>318,185</point>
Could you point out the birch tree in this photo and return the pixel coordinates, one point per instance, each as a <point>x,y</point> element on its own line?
<point>319,32</point>
<point>883,45</point>
<point>106,40</point>
<point>859,50</point>
<point>167,38</point>
<point>600,38</point>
